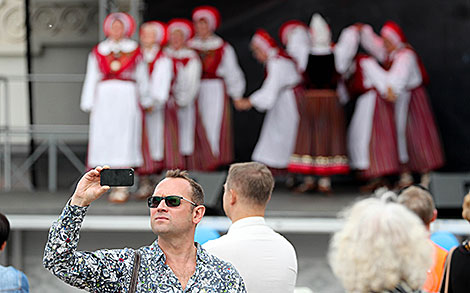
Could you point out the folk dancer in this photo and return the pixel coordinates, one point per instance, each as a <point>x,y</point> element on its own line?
<point>115,82</point>
<point>222,78</point>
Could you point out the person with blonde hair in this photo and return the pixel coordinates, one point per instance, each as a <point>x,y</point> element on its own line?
<point>382,247</point>
<point>419,200</point>
<point>456,273</point>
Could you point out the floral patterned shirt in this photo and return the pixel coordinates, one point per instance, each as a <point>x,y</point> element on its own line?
<point>111,270</point>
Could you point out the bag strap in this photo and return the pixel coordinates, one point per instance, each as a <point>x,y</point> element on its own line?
<point>449,258</point>
<point>135,272</point>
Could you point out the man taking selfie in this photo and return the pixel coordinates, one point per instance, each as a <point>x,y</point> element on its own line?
<point>173,263</point>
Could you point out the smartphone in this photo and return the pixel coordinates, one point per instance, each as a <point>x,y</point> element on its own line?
<point>117,177</point>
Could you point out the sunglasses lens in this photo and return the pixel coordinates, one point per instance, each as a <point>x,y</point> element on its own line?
<point>172,201</point>
<point>154,201</point>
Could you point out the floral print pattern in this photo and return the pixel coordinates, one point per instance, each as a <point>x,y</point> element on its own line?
<point>111,270</point>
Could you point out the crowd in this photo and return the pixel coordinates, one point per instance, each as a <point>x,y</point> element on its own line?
<point>166,103</point>
<point>384,244</point>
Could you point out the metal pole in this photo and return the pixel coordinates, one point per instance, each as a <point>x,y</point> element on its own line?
<point>52,163</point>
<point>102,12</point>
<point>16,249</point>
<point>6,143</point>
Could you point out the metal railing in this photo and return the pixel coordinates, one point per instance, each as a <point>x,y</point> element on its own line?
<point>47,138</point>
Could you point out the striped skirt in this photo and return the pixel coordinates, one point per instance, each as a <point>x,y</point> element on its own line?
<point>321,139</point>
<point>383,152</point>
<point>423,141</point>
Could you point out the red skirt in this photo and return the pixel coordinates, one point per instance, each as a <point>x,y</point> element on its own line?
<point>321,139</point>
<point>172,158</point>
<point>423,141</point>
<point>383,152</point>
<point>226,152</point>
<point>202,159</point>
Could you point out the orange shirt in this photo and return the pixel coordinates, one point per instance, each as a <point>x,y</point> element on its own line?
<point>436,272</point>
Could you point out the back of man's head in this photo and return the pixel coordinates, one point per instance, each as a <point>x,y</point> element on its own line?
<point>253,181</point>
<point>420,201</point>
<point>4,229</point>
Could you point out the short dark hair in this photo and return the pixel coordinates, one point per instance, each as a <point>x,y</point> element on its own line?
<point>4,229</point>
<point>253,180</point>
<point>198,192</point>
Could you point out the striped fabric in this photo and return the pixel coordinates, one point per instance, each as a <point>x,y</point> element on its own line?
<point>383,143</point>
<point>321,140</point>
<point>423,141</point>
<point>226,152</point>
<point>202,158</point>
<point>172,159</point>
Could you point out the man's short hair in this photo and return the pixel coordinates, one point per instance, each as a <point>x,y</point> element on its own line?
<point>4,229</point>
<point>420,201</point>
<point>198,192</point>
<point>253,180</point>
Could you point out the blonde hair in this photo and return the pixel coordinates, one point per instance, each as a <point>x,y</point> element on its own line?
<point>380,245</point>
<point>466,207</point>
<point>419,201</point>
<point>253,180</point>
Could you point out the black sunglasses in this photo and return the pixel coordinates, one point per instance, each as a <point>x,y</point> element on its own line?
<point>170,201</point>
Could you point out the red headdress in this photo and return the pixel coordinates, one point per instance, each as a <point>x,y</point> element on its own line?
<point>126,19</point>
<point>209,13</point>
<point>183,25</point>
<point>159,28</point>
<point>393,32</point>
<point>287,27</point>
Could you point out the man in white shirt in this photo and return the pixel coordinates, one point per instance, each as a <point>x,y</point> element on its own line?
<point>264,258</point>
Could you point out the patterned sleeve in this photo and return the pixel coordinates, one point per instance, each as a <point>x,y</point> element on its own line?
<point>99,271</point>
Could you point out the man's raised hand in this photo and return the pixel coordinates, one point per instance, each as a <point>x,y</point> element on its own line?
<point>88,188</point>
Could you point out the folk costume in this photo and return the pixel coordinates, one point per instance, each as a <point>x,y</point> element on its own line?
<point>371,138</point>
<point>276,97</point>
<point>321,143</point>
<point>419,143</point>
<point>222,78</point>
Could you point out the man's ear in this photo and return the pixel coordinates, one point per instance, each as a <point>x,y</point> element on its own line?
<point>434,215</point>
<point>198,213</point>
<point>3,246</point>
<point>233,196</point>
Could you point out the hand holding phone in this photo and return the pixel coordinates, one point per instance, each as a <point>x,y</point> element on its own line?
<point>117,177</point>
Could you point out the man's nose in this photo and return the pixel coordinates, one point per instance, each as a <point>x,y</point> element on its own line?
<point>162,206</point>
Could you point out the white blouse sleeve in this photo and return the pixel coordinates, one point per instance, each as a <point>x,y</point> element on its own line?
<point>230,71</point>
<point>92,77</point>
<point>373,43</point>
<point>404,73</point>
<point>374,75</point>
<point>298,47</point>
<point>160,82</point>
<point>142,80</point>
<point>281,74</point>
<point>187,82</point>
<point>346,49</point>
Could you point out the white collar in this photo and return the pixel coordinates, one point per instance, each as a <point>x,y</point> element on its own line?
<point>211,43</point>
<point>181,53</point>
<point>149,54</point>
<point>246,222</point>
<point>124,45</point>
